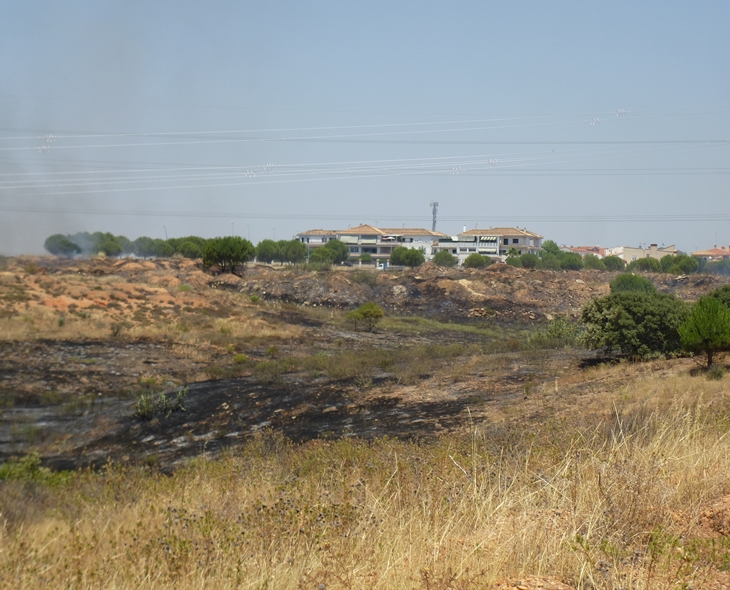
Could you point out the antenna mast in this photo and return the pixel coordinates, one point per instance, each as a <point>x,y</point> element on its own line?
<point>435,206</point>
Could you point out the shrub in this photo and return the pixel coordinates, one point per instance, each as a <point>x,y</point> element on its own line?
<point>550,247</point>
<point>645,265</point>
<point>549,261</point>
<point>559,333</point>
<point>364,277</point>
<point>529,260</point>
<point>367,258</point>
<point>445,258</point>
<point>707,329</point>
<point>292,251</point>
<point>227,253</point>
<point>240,359</point>
<point>323,256</point>
<point>368,314</point>
<point>571,261</point>
<point>402,256</point>
<point>477,261</point>
<point>144,247</point>
<point>592,262</point>
<point>721,267</point>
<point>613,263</point>
<point>515,261</point>
<point>185,288</point>
<point>635,324</point>
<point>628,282</point>
<point>722,294</point>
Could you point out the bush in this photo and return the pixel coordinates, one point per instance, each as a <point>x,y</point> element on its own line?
<point>571,261</point>
<point>549,261</point>
<point>721,267</point>
<point>367,258</point>
<point>144,247</point>
<point>559,333</point>
<point>645,265</point>
<point>322,256</point>
<point>445,258</point>
<point>636,324</point>
<point>550,247</point>
<point>227,253</point>
<point>402,256</point>
<point>368,314</point>
<point>722,294</point>
<point>592,262</point>
<point>630,283</point>
<point>613,263</point>
<point>515,261</point>
<point>707,329</point>
<point>680,264</point>
<point>477,261</point>
<point>364,277</point>
<point>529,260</point>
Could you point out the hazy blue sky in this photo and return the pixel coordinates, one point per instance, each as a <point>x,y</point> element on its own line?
<point>589,122</point>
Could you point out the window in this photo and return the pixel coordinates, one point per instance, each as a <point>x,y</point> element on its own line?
<point>353,249</point>
<point>506,241</point>
<point>515,240</point>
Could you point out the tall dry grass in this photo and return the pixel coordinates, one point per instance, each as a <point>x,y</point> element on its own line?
<point>615,505</point>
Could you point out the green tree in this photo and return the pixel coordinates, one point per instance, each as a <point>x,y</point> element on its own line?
<point>687,264</point>
<point>293,251</point>
<point>322,256</point>
<point>60,245</point>
<point>644,265</point>
<point>593,262</point>
<point>367,258</point>
<point>722,294</point>
<point>267,251</point>
<point>571,261</point>
<point>144,247</point>
<point>402,256</point>
<point>227,253</point>
<point>477,261</point>
<point>125,244</point>
<point>627,282</point>
<point>549,261</point>
<point>636,324</point>
<point>369,314</point>
<point>707,329</point>
<point>445,258</point>
<point>720,267</point>
<point>340,250</point>
<point>529,260</point>
<point>613,263</point>
<point>189,249</point>
<point>550,247</point>
<point>162,249</point>
<point>515,261</point>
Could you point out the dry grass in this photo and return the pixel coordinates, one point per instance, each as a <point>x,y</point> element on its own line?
<point>618,504</point>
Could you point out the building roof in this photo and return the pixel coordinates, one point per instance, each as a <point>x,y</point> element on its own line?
<point>318,232</point>
<point>361,229</point>
<point>411,231</point>
<point>721,252</point>
<point>500,231</point>
<point>583,250</point>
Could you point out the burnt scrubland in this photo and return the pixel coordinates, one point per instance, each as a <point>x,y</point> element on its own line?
<point>163,426</point>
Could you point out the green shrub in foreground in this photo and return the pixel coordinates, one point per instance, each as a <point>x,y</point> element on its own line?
<point>631,283</point>
<point>639,325</point>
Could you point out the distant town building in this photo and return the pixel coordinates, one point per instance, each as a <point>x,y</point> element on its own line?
<point>495,242</point>
<point>376,241</point>
<point>584,250</point>
<point>629,254</point>
<point>714,254</point>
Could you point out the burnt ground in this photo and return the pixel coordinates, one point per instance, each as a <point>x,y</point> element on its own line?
<point>70,384</point>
